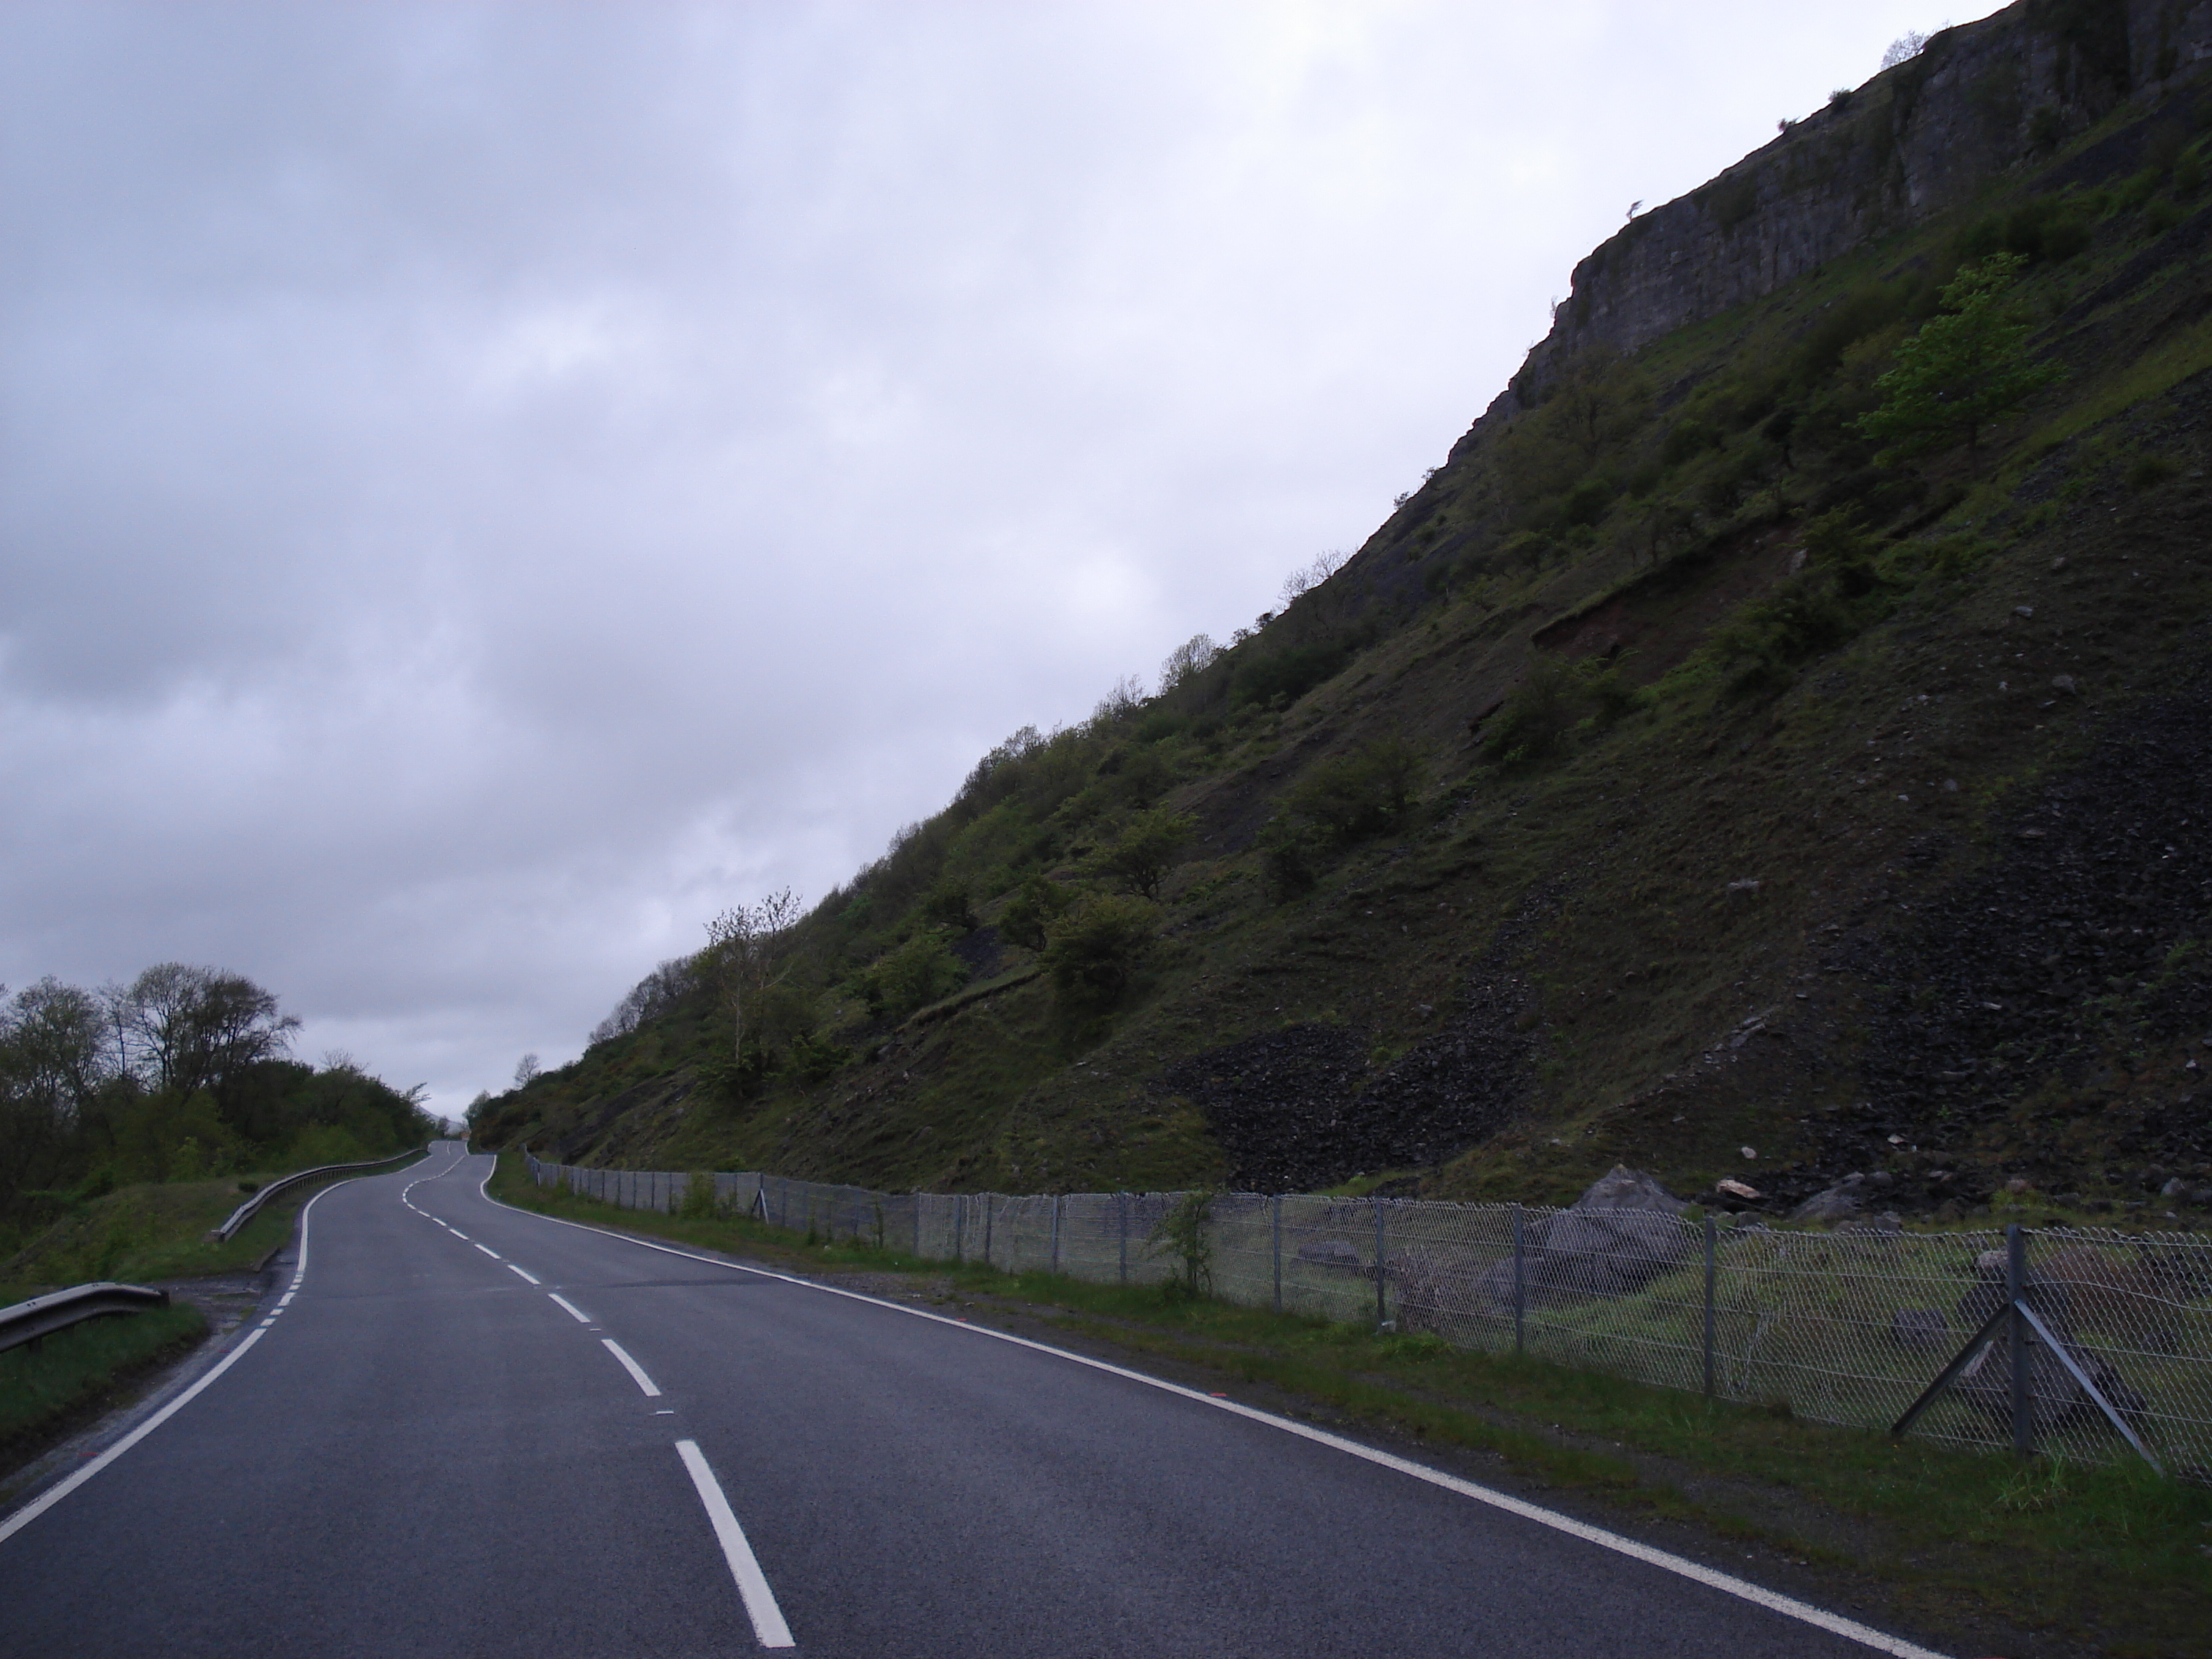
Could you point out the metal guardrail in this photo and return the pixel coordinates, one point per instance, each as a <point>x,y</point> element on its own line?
<point>246,1211</point>
<point>42,1315</point>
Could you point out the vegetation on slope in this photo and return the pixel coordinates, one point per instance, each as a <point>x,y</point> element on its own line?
<point>1684,774</point>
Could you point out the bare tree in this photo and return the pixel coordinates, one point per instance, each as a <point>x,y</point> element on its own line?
<point>1191,657</point>
<point>196,1028</point>
<point>1907,45</point>
<point>526,1071</point>
<point>748,956</point>
<point>1307,577</point>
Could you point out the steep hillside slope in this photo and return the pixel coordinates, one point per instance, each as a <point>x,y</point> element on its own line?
<point>1673,778</point>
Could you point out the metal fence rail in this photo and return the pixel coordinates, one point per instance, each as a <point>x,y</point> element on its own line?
<point>246,1211</point>
<point>1848,1327</point>
<point>42,1315</point>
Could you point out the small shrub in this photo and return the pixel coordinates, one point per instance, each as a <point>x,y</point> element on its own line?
<point>1096,948</point>
<point>701,1201</point>
<point>2149,471</point>
<point>1291,853</point>
<point>812,1058</point>
<point>1144,852</point>
<point>1286,675</point>
<point>917,973</point>
<point>1181,1236</point>
<point>1533,724</point>
<point>1029,914</point>
<point>1362,793</point>
<point>950,904</point>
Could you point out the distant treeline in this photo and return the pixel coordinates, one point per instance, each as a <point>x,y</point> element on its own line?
<point>183,1074</point>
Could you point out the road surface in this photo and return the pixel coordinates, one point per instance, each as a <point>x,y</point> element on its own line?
<point>470,1430</point>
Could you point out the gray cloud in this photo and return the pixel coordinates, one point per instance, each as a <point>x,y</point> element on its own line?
<point>482,487</point>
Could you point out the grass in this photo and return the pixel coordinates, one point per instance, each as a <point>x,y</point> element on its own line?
<point>1951,1540</point>
<point>151,1232</point>
<point>44,1388</point>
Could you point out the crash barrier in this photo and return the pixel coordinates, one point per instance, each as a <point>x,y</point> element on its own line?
<point>2085,1343</point>
<point>42,1315</point>
<point>246,1211</point>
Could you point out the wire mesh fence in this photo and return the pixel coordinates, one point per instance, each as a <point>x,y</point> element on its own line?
<point>1848,1327</point>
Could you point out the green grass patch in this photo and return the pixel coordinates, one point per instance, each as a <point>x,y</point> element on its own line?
<point>156,1231</point>
<point>73,1371</point>
<point>1953,1536</point>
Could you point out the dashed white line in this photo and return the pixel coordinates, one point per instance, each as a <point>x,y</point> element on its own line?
<point>637,1372</point>
<point>456,1232</point>
<point>570,1308</point>
<point>532,1278</point>
<point>752,1583</point>
<point>489,1251</point>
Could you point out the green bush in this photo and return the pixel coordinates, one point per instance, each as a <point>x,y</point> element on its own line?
<point>1143,853</point>
<point>1181,1236</point>
<point>1094,950</point>
<point>1291,853</point>
<point>812,1058</point>
<point>1365,792</point>
<point>1029,914</point>
<point>950,904</point>
<point>917,973</point>
<point>1286,675</point>
<point>1966,369</point>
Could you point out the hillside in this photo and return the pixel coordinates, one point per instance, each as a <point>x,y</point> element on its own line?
<point>1671,779</point>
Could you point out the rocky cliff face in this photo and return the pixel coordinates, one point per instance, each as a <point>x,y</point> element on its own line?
<point>1916,141</point>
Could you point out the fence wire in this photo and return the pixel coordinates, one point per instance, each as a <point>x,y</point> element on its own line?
<point>1848,1327</point>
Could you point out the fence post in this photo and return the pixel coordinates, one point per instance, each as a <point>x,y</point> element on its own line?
<point>1709,1232</point>
<point>1520,1287</point>
<point>2023,1398</point>
<point>1055,1233</point>
<point>918,1202</point>
<point>1122,1203</point>
<point>1382,1267</point>
<point>960,1228</point>
<point>1276,1227</point>
<point>987,1209</point>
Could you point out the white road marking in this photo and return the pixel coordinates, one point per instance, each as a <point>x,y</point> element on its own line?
<point>637,1372</point>
<point>570,1308</point>
<point>512,1268</point>
<point>1788,1606</point>
<point>752,1583</point>
<point>458,1233</point>
<point>285,1299</point>
<point>489,1251</point>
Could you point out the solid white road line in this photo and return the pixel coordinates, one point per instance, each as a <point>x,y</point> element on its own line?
<point>512,1268</point>
<point>54,1494</point>
<point>570,1308</point>
<point>1788,1606</point>
<point>637,1372</point>
<point>752,1583</point>
<point>489,1251</point>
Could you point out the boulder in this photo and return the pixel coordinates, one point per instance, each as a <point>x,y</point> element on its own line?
<point>1332,1253</point>
<point>1838,1203</point>
<point>1617,1237</point>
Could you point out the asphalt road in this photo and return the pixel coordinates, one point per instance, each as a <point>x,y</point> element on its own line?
<point>471,1430</point>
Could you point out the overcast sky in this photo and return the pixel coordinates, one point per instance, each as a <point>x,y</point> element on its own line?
<point>483,488</point>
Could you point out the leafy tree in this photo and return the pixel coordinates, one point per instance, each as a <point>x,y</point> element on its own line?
<point>1365,792</point>
<point>1144,852</point>
<point>914,976</point>
<point>1030,914</point>
<point>1967,366</point>
<point>199,1028</point>
<point>1095,949</point>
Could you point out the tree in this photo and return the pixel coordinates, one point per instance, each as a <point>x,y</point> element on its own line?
<point>199,1028</point>
<point>527,1071</point>
<point>748,956</point>
<point>1966,367</point>
<point>1186,662</point>
<point>1144,852</point>
<point>1097,945</point>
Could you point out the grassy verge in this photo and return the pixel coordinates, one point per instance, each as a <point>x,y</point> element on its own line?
<point>149,1232</point>
<point>77,1371</point>
<point>2115,1558</point>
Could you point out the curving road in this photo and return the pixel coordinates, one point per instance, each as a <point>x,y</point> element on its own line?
<point>470,1430</point>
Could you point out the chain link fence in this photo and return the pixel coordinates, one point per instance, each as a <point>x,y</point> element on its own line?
<point>1848,1327</point>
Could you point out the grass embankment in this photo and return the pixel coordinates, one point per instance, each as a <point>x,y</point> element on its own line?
<point>1951,1542</point>
<point>77,1371</point>
<point>152,1232</point>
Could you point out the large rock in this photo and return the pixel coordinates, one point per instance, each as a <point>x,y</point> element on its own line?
<point>1616,1238</point>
